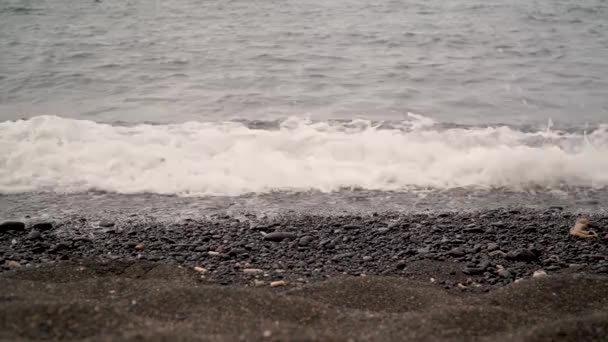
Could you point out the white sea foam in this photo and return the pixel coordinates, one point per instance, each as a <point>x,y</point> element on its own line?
<point>49,153</point>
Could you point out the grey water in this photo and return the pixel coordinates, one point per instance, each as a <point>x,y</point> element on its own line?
<point>167,61</point>
<point>161,61</point>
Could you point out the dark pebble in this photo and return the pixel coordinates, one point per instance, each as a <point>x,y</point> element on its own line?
<point>352,227</point>
<point>522,255</point>
<point>305,240</point>
<point>43,226</point>
<point>400,265</point>
<point>473,230</point>
<point>279,236</point>
<point>11,226</point>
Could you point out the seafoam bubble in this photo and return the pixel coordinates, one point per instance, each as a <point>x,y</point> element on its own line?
<point>49,153</point>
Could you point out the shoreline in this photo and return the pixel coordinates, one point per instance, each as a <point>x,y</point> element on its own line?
<point>379,277</point>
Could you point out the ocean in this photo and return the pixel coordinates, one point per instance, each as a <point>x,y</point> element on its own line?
<point>184,108</point>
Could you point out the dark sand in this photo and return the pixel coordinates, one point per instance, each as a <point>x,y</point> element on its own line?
<point>138,301</point>
<point>389,277</point>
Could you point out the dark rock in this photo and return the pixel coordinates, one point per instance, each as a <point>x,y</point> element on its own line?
<point>522,255</point>
<point>457,252</point>
<point>499,224</point>
<point>59,247</point>
<point>279,236</point>
<point>305,240</point>
<point>11,226</point>
<point>34,235</point>
<point>401,265</point>
<point>130,244</point>
<point>474,230</point>
<point>352,227</point>
<point>40,248</point>
<point>530,229</point>
<point>497,254</point>
<point>43,226</point>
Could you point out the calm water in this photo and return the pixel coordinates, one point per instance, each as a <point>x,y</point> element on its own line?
<point>489,61</point>
<point>271,105</point>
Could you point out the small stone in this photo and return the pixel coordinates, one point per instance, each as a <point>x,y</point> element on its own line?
<point>267,333</point>
<point>457,252</point>
<point>401,265</point>
<point>498,224</point>
<point>200,269</point>
<point>305,240</point>
<point>352,227</point>
<point>34,235</point>
<point>279,236</point>
<point>258,283</point>
<point>522,255</point>
<point>11,226</point>
<point>139,247</point>
<point>475,230</point>
<point>539,273</point>
<point>106,223</point>
<point>13,264</point>
<point>367,258</point>
<point>504,273</point>
<point>43,226</point>
<point>492,247</point>
<point>252,270</point>
<point>278,283</point>
<point>424,250</point>
<point>213,253</point>
<point>383,230</point>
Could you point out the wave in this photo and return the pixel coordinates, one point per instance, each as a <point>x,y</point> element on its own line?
<point>49,153</point>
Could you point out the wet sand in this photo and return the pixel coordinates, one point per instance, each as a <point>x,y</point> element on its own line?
<point>115,301</point>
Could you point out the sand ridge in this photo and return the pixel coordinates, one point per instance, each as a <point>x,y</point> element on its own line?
<point>133,301</point>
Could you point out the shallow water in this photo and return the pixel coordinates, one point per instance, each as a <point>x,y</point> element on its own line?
<point>267,106</point>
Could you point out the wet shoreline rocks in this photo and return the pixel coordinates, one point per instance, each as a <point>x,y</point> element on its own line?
<point>485,250</point>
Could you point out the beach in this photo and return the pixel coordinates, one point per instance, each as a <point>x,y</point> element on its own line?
<point>494,275</point>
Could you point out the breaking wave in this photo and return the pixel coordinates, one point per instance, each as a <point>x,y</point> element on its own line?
<point>49,153</point>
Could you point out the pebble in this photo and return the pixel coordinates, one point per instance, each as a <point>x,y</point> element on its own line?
<point>11,226</point>
<point>13,264</point>
<point>252,270</point>
<point>213,253</point>
<point>279,236</point>
<point>278,283</point>
<point>34,235</point>
<point>368,258</point>
<point>43,226</point>
<point>457,252</point>
<point>492,247</point>
<point>522,255</point>
<point>473,230</point>
<point>139,247</point>
<point>305,240</point>
<point>504,273</point>
<point>259,283</point>
<point>539,273</point>
<point>200,269</point>
<point>106,223</point>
